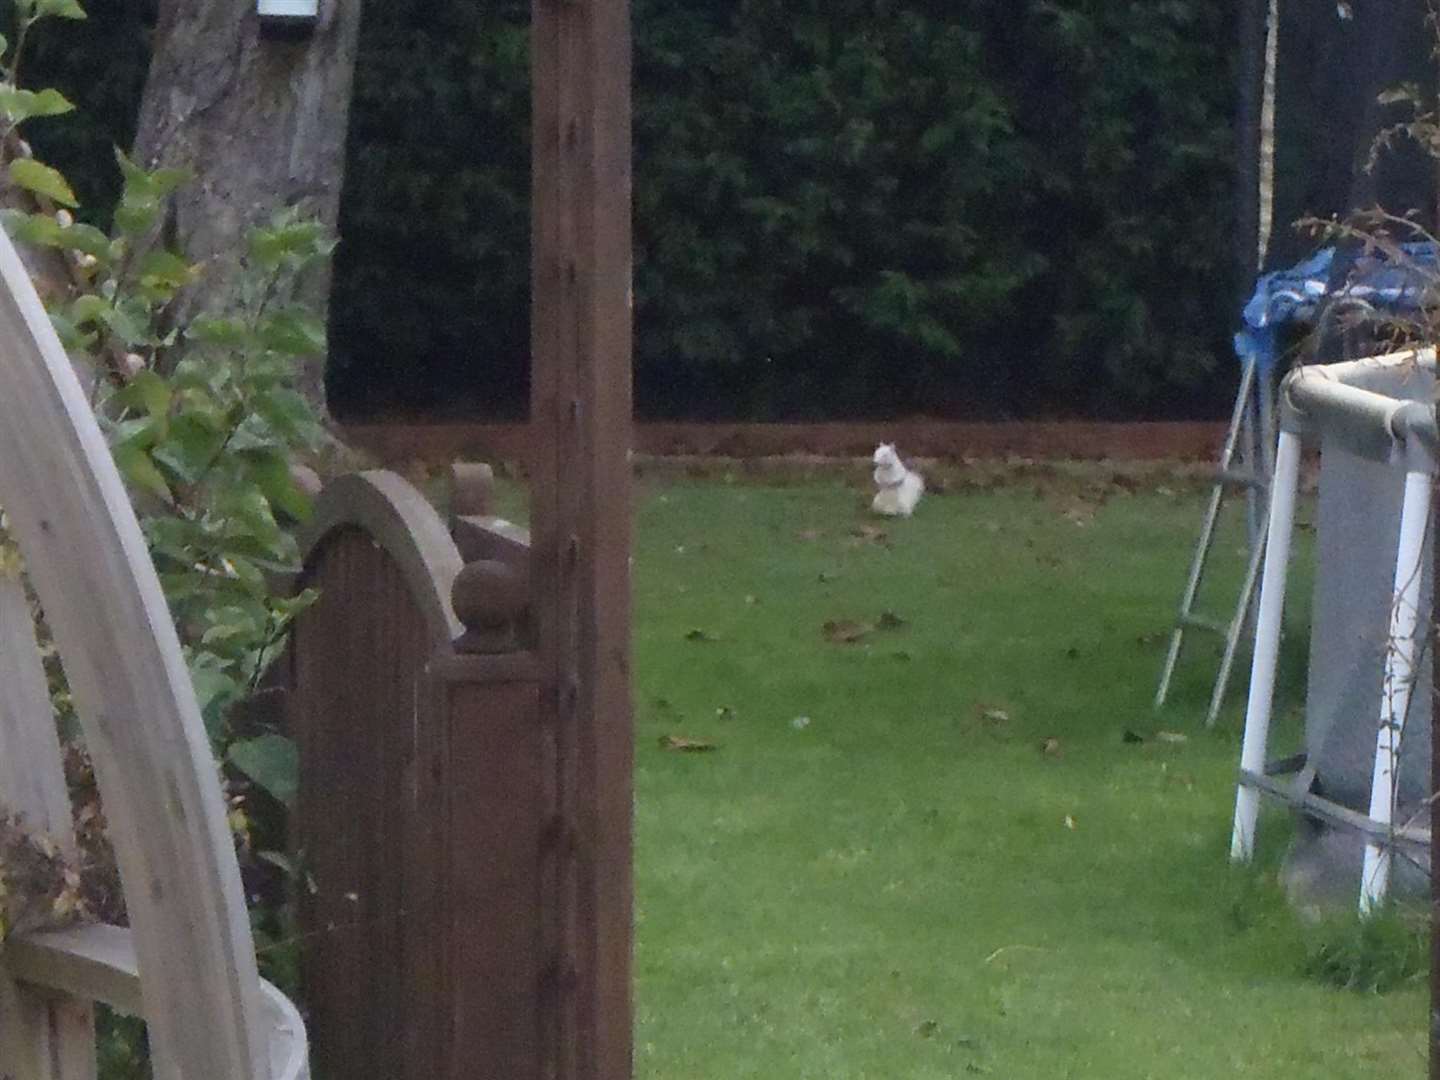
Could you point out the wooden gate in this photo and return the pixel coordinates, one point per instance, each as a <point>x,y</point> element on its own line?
<point>424,821</point>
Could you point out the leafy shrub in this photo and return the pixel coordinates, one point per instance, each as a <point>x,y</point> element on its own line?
<point>864,207</point>
<point>203,418</point>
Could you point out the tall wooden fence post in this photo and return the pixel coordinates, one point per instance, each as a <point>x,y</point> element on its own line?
<point>580,421</point>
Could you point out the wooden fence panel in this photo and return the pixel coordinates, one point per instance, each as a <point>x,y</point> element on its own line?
<point>422,814</point>
<point>358,657</point>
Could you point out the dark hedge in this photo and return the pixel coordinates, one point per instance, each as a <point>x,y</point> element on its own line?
<point>842,209</point>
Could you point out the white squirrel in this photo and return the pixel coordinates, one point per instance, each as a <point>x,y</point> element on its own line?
<point>898,488</point>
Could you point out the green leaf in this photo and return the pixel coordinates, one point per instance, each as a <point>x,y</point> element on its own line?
<point>221,331</point>
<point>292,332</point>
<point>147,390</point>
<point>272,762</point>
<point>190,447</point>
<point>89,309</point>
<point>72,338</point>
<point>211,685</point>
<point>18,105</point>
<point>271,474</point>
<point>149,185</point>
<point>61,9</point>
<point>43,180</point>
<point>288,242</point>
<point>137,468</point>
<point>127,325</point>
<point>86,239</point>
<point>166,269</point>
<point>288,413</point>
<point>40,230</point>
<point>288,607</point>
<point>135,217</point>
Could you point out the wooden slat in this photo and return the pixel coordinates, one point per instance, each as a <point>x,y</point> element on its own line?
<point>43,1038</point>
<point>97,963</point>
<point>46,1037</point>
<point>580,411</point>
<point>491,880</point>
<point>85,553</point>
<point>358,705</point>
<point>32,773</point>
<point>357,655</point>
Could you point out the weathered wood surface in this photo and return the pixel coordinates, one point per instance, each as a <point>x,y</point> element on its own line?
<point>352,711</point>
<point>420,813</point>
<point>32,771</point>
<point>87,559</point>
<point>97,963</point>
<point>45,1036</point>
<point>580,507</point>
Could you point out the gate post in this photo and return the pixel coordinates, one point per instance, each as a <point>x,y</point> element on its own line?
<point>475,862</point>
<point>580,505</point>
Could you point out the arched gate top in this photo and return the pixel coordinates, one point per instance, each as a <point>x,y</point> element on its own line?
<point>395,516</point>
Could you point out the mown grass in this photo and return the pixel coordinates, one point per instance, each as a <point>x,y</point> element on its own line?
<point>932,852</point>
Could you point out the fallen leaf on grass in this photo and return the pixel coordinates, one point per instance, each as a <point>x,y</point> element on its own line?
<point>1050,747</point>
<point>1069,823</point>
<point>683,745</point>
<point>800,723</point>
<point>698,634</point>
<point>992,715</point>
<point>845,631</point>
<point>868,534</point>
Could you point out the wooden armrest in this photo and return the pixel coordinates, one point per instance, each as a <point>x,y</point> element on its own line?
<point>97,963</point>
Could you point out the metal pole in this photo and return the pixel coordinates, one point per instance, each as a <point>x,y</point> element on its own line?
<point>1267,641</point>
<point>1400,663</point>
<point>1207,531</point>
<point>1244,606</point>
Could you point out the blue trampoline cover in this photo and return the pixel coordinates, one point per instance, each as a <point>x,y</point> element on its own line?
<point>1292,295</point>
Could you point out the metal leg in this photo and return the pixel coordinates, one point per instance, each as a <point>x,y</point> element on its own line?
<point>1254,450</point>
<point>1243,607</point>
<point>1267,641</point>
<point>1400,668</point>
<point>1207,534</point>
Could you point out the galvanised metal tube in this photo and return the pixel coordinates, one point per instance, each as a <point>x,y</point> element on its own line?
<point>1401,661</point>
<point>1360,419</point>
<point>1267,640</point>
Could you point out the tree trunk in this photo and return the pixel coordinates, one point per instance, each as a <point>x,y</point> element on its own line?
<point>260,120</point>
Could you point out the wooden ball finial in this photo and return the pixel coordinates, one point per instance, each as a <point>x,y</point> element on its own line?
<point>492,600</point>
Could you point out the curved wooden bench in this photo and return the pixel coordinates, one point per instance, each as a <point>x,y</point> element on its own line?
<point>187,963</point>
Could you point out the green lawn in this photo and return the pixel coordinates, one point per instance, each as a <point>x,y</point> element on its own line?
<point>882,872</point>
